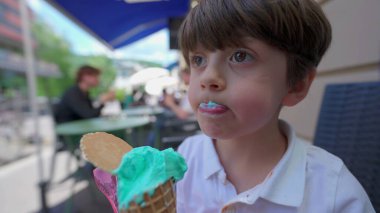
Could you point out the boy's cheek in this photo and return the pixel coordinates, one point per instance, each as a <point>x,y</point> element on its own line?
<point>193,98</point>
<point>253,103</point>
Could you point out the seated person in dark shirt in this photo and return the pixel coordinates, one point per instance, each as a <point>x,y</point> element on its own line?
<point>76,103</point>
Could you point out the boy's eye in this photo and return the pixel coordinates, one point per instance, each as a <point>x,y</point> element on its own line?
<point>241,56</point>
<point>197,60</point>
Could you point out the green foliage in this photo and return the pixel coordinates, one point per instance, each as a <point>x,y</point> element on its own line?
<point>11,82</point>
<point>52,48</point>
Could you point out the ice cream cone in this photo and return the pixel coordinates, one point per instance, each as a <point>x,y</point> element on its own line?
<point>103,150</point>
<point>162,201</point>
<point>106,152</point>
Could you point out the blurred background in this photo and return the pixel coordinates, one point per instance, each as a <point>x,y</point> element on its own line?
<point>139,61</point>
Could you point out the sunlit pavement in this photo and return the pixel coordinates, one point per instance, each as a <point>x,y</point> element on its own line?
<point>19,176</point>
<point>15,136</point>
<point>20,192</point>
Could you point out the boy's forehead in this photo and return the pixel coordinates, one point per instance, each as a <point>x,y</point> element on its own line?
<point>243,41</point>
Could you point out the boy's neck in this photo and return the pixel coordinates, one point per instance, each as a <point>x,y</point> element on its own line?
<point>248,161</point>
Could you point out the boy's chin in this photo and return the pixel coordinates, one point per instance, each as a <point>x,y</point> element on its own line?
<point>209,133</point>
<point>214,131</point>
<point>215,135</point>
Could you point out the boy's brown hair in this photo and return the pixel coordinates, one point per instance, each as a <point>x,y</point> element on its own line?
<point>86,70</point>
<point>297,27</point>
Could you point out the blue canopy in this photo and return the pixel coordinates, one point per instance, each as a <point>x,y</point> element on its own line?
<point>117,23</point>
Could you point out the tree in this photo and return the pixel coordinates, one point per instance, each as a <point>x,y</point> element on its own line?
<point>52,48</point>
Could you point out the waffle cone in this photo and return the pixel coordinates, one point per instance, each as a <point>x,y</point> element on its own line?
<point>162,201</point>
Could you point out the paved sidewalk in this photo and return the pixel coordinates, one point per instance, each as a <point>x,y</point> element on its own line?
<point>15,136</point>
<point>20,193</point>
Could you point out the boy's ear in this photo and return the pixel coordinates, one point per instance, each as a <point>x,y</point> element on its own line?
<point>300,90</point>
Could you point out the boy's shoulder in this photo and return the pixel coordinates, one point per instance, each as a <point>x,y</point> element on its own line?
<point>196,145</point>
<point>324,167</point>
<point>319,158</point>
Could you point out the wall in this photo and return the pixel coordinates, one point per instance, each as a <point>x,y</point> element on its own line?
<point>353,56</point>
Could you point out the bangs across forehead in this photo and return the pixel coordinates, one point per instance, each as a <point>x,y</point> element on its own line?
<point>216,24</point>
<point>299,28</point>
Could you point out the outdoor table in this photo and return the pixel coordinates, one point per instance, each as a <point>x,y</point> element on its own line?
<point>143,110</point>
<point>72,131</point>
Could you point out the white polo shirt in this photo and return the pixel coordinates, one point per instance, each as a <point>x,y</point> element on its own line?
<point>307,179</point>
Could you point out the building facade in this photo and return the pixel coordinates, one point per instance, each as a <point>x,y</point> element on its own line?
<point>353,56</point>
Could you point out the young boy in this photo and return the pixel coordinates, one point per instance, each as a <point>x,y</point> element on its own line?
<point>248,59</point>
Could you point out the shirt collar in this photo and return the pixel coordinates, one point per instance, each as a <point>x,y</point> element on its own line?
<point>286,185</point>
<point>209,153</point>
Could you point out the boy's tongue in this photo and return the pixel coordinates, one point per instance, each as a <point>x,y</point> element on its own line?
<point>212,107</point>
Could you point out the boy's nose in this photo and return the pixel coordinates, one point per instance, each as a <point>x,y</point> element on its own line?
<point>212,79</point>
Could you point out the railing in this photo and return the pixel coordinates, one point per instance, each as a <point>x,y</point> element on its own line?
<point>16,62</point>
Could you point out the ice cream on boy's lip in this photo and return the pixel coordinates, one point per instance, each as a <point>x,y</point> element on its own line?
<point>212,107</point>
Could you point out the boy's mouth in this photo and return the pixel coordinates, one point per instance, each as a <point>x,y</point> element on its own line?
<point>212,108</point>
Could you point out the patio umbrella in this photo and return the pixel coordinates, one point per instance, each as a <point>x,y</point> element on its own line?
<point>143,76</point>
<point>156,86</point>
<point>117,23</point>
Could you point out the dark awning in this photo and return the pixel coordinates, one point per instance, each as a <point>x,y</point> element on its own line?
<point>117,23</point>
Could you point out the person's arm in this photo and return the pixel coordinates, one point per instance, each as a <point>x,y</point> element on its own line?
<point>82,106</point>
<point>179,112</point>
<point>107,96</point>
